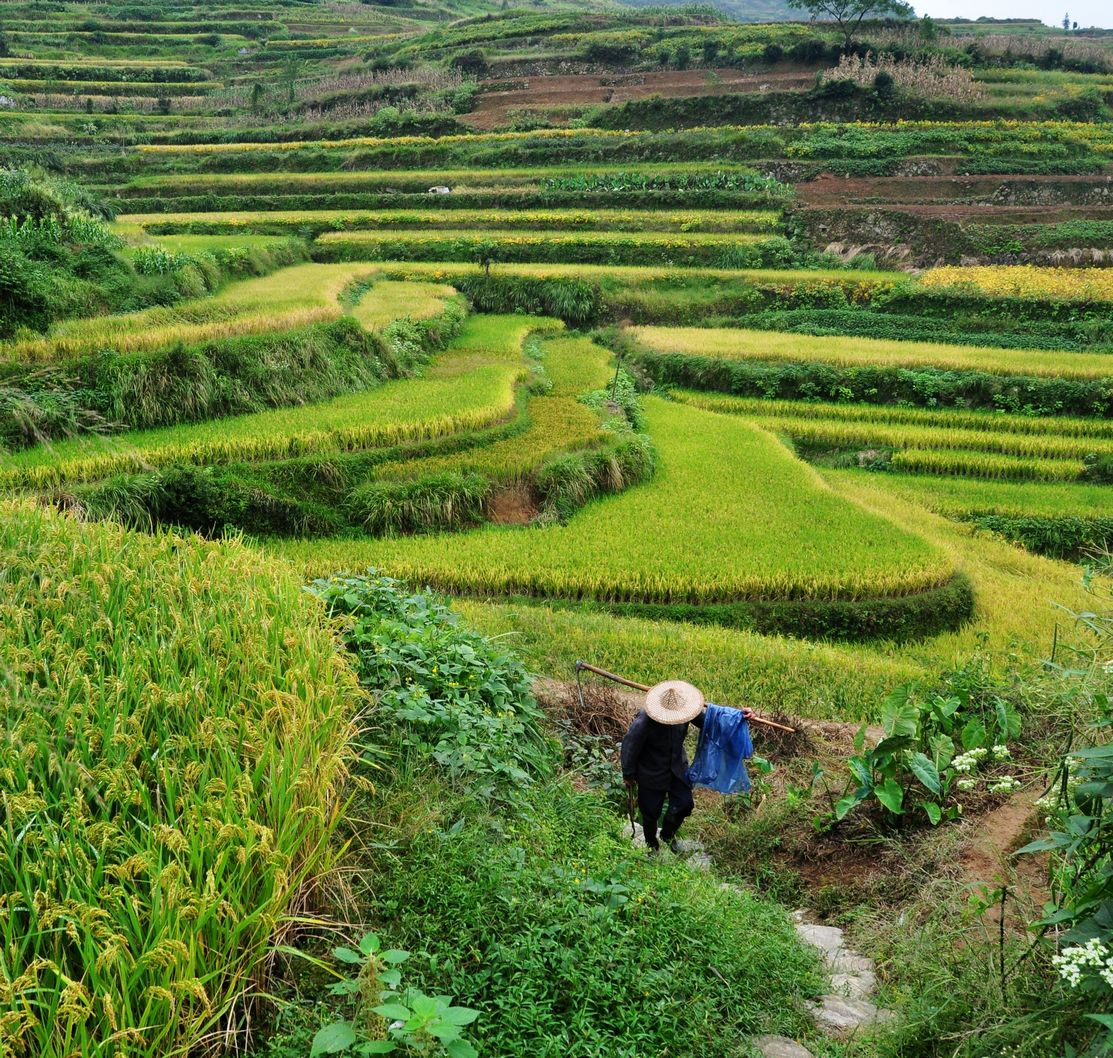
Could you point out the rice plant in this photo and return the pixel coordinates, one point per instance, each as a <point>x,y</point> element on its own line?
<point>469,388</point>
<point>782,535</point>
<point>811,424</point>
<point>175,746</point>
<point>737,344</point>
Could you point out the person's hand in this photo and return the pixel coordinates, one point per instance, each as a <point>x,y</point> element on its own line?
<point>629,783</point>
<point>748,713</point>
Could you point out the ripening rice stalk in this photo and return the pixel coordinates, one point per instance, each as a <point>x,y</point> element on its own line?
<point>991,465</point>
<point>177,722</point>
<point>289,298</point>
<point>470,387</point>
<point>731,343</point>
<point>811,425</point>
<point>1026,281</point>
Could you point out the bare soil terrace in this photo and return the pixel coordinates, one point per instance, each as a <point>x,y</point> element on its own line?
<point>499,99</point>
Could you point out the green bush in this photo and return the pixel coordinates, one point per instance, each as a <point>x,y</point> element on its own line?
<point>1069,537</point>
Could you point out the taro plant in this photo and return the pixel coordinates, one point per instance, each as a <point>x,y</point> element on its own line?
<point>384,1017</point>
<point>932,750</point>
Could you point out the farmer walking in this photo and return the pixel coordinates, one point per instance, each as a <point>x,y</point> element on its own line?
<point>655,761</point>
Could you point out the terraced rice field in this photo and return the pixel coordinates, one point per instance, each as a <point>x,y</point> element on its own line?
<point>689,547</point>
<point>470,388</point>
<point>332,220</point>
<point>739,344</point>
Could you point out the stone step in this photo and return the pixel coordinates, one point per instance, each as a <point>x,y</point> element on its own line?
<point>843,1016</point>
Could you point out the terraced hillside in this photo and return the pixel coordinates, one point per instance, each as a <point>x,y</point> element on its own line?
<point>689,346</point>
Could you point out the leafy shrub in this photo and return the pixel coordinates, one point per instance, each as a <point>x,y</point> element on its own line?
<point>1067,537</point>
<point>917,767</point>
<point>920,387</point>
<point>444,694</point>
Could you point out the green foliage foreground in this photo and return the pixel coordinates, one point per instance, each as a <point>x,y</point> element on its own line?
<point>518,894</point>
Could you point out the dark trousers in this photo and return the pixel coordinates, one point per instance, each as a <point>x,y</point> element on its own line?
<point>651,802</point>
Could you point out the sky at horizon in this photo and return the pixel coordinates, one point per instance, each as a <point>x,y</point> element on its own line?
<point>1097,13</point>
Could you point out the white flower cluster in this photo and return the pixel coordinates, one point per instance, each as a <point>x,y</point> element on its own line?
<point>966,785</point>
<point>966,762</point>
<point>1001,752</point>
<point>1107,665</point>
<point>1003,785</point>
<point>1073,963</point>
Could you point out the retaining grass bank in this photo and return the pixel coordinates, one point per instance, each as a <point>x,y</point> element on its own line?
<point>704,561</point>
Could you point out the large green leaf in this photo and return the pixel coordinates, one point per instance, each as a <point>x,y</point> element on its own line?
<point>898,716</point>
<point>932,811</point>
<point>332,1039</point>
<point>974,734</point>
<point>891,796</point>
<point>920,764</point>
<point>845,804</point>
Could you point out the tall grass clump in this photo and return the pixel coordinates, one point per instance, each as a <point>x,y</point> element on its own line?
<point>176,719</point>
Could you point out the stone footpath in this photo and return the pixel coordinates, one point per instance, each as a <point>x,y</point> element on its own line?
<point>847,1008</point>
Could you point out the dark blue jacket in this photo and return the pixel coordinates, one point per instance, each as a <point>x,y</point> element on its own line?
<point>654,754</point>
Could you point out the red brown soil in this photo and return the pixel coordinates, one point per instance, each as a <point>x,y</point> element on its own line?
<point>498,99</point>
<point>513,506</point>
<point>832,190</point>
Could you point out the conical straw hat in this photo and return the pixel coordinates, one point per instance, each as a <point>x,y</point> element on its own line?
<point>673,702</point>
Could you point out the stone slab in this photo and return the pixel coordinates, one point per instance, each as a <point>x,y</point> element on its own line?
<point>856,985</point>
<point>780,1047</point>
<point>828,939</point>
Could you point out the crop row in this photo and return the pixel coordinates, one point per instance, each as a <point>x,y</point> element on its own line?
<point>470,388</point>
<point>113,88</point>
<point>289,298</point>
<point>558,422</point>
<point>342,220</point>
<point>828,425</point>
<point>738,344</point>
<point>690,548</point>
<point>1026,281</point>
<point>980,464</point>
<point>968,498</point>
<point>603,247</point>
<point>629,178</point>
<point>818,140</point>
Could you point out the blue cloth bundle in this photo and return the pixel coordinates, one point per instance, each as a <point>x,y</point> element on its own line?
<point>724,746</point>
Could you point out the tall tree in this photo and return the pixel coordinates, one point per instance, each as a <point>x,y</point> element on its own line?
<point>848,15</point>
